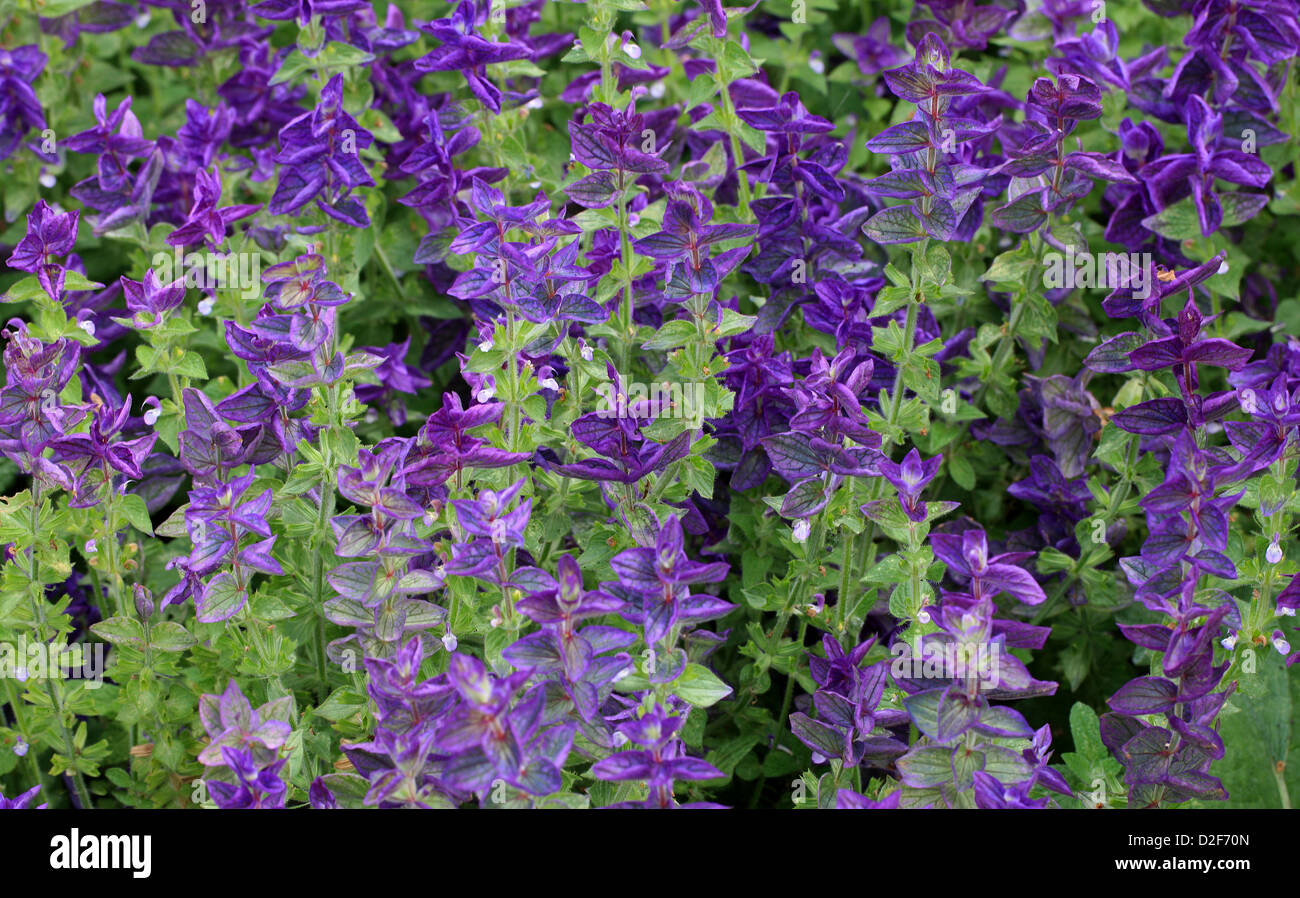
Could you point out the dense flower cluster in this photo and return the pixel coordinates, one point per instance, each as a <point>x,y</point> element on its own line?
<point>532,406</point>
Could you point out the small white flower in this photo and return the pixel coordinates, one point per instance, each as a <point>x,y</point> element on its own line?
<point>485,393</point>
<point>657,90</point>
<point>585,351</point>
<point>1286,612</point>
<point>91,547</point>
<point>20,674</point>
<point>923,616</point>
<point>816,64</point>
<point>1280,643</point>
<point>371,416</point>
<point>449,642</point>
<point>631,49</point>
<point>620,739</point>
<point>486,345</point>
<point>205,305</point>
<point>1230,643</point>
<point>20,748</point>
<point>801,530</point>
<point>88,327</point>
<point>1273,554</point>
<point>534,184</point>
<point>47,179</point>
<point>549,383</point>
<point>534,103</point>
<point>151,416</point>
<point>622,673</point>
<point>142,20</point>
<point>1223,267</point>
<point>633,219</point>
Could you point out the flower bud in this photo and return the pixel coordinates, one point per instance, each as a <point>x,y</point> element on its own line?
<point>144,603</point>
<point>1274,552</point>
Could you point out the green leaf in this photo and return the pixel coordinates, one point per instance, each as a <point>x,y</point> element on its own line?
<point>1176,222</point>
<point>700,686</point>
<point>25,289</point>
<point>1038,318</point>
<point>137,513</point>
<point>1010,267</point>
<point>1086,730</point>
<point>959,468</point>
<point>733,322</point>
<point>737,62</point>
<point>890,299</point>
<point>169,636</point>
<point>74,281</point>
<point>341,705</point>
<point>1257,736</point>
<point>120,631</point>
<point>927,766</point>
<point>673,334</point>
<point>191,366</point>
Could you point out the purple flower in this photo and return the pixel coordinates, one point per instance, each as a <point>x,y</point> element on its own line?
<point>464,50</point>
<point>967,558</point>
<point>22,801</point>
<point>1176,176</point>
<point>20,109</point>
<point>660,578</point>
<point>849,725</point>
<point>659,763</point>
<point>319,160</point>
<point>232,724</point>
<point>684,243</point>
<point>206,224</point>
<point>50,234</point>
<point>149,300</point>
<point>910,478</point>
<point>115,139</point>
<point>305,10</point>
<point>256,786</point>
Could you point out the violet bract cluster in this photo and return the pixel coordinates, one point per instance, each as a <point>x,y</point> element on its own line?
<point>667,405</point>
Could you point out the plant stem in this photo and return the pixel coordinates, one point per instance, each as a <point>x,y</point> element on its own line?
<point>15,702</point>
<point>322,533</point>
<point>37,594</point>
<point>1279,774</point>
<point>867,552</point>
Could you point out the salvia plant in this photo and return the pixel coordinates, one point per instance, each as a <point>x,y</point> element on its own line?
<point>649,404</point>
